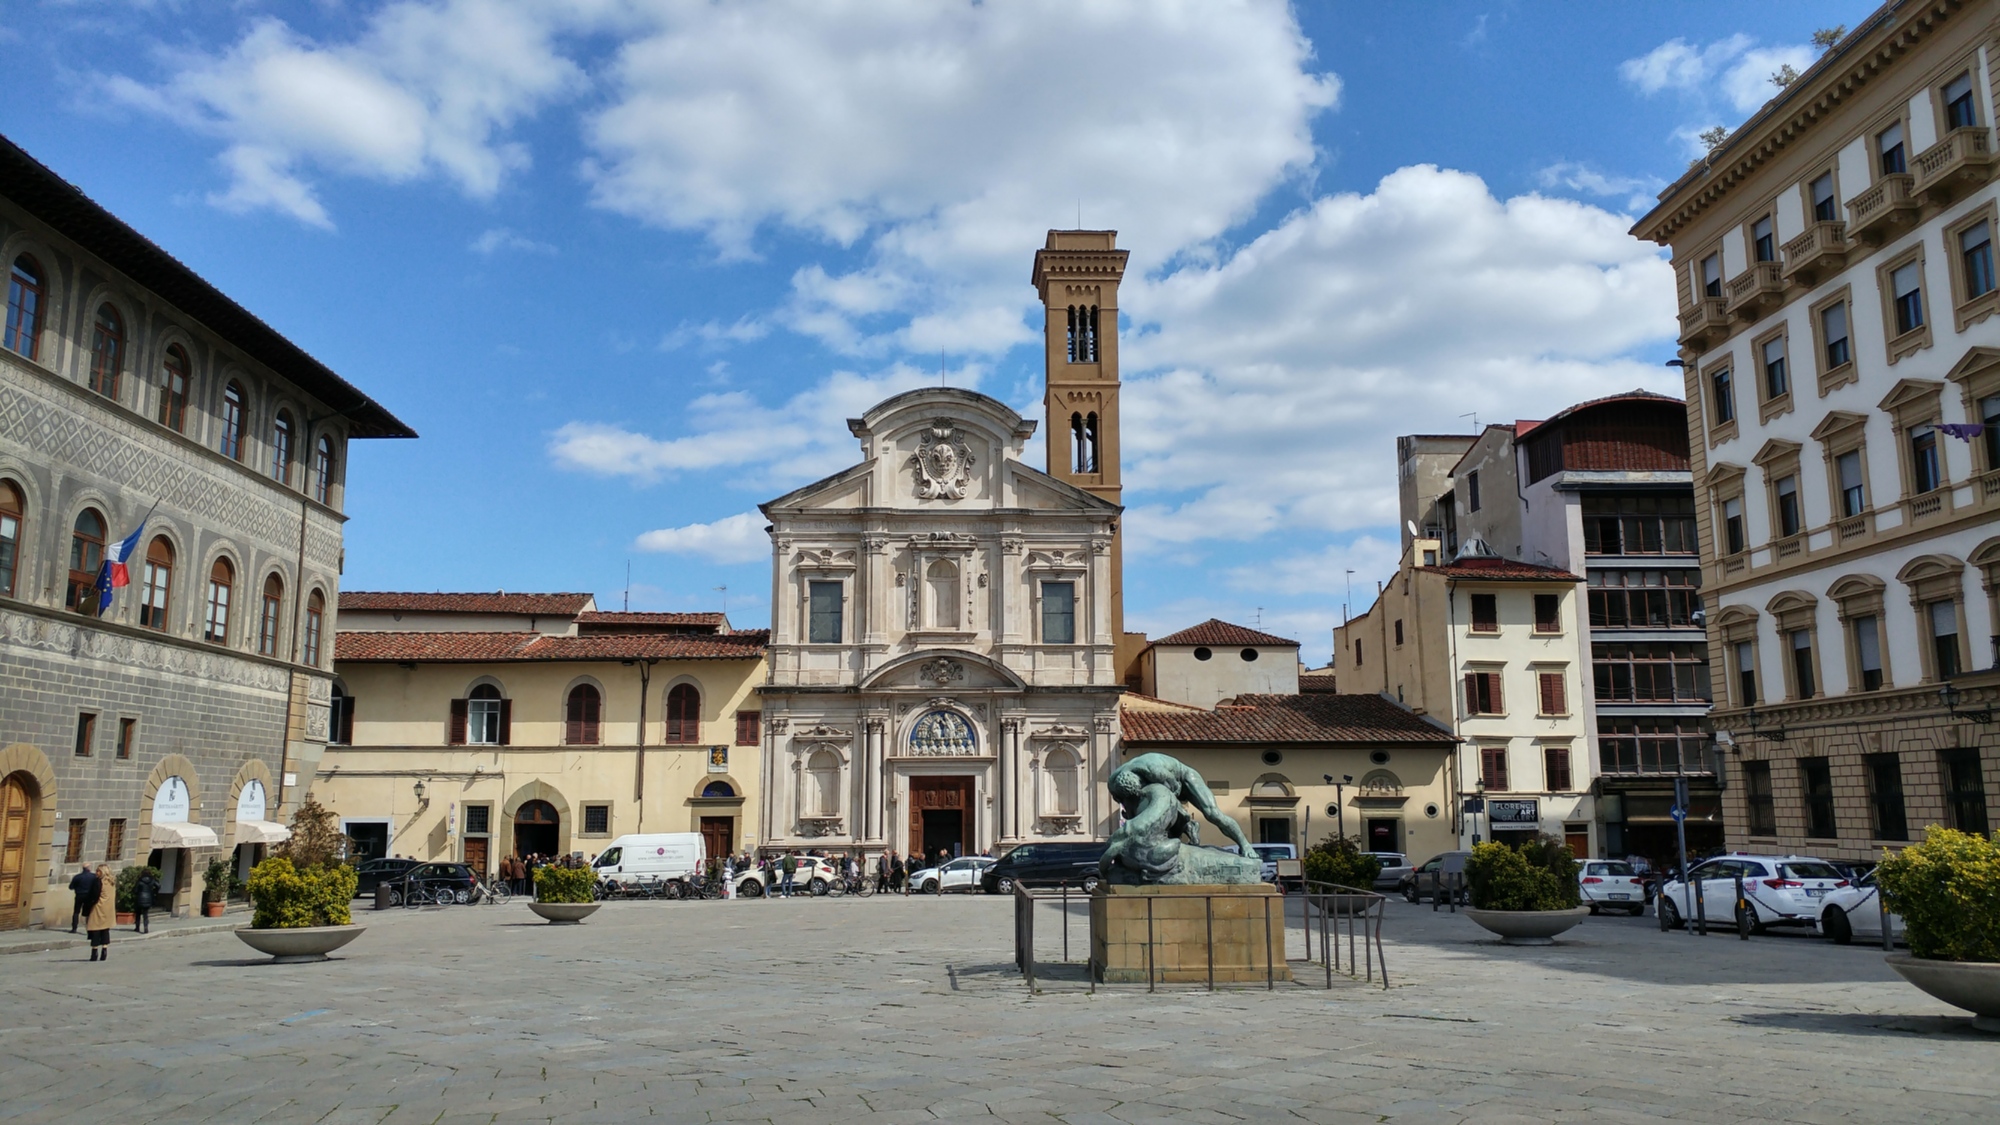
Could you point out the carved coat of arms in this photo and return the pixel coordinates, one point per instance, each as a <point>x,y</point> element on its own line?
<point>943,463</point>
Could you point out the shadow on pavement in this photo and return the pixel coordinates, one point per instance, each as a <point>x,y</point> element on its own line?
<point>1863,1023</point>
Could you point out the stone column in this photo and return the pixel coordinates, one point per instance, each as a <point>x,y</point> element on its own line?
<point>1003,791</point>
<point>1100,764</point>
<point>873,807</point>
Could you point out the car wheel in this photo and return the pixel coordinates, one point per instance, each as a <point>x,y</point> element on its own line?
<point>1090,885</point>
<point>1749,914</point>
<point>817,888</point>
<point>930,887</point>
<point>462,896</point>
<point>1410,893</point>
<point>395,897</point>
<point>1639,911</point>
<point>1835,925</point>
<point>1593,909</point>
<point>1671,914</point>
<point>1004,886</point>
<point>750,888</point>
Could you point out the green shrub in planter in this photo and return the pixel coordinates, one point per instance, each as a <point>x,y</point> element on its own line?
<point>128,887</point>
<point>1341,861</point>
<point>284,897</point>
<point>216,880</point>
<point>1540,875</point>
<point>1948,891</point>
<point>565,884</point>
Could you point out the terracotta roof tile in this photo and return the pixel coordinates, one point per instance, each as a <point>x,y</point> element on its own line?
<point>485,648</point>
<point>1316,683</point>
<point>1485,568</point>
<point>1292,719</point>
<point>1216,631</point>
<point>537,605</point>
<point>621,617</point>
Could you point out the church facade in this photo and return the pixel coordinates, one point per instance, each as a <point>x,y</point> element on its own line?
<point>947,647</point>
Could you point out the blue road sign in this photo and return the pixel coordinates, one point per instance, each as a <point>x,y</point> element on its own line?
<point>1677,812</point>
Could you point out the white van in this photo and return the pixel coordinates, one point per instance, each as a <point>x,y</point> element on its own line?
<point>651,857</point>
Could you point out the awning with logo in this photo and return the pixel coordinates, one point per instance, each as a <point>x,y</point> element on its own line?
<point>261,832</point>
<point>179,834</point>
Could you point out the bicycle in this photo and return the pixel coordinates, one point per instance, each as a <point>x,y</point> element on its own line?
<point>494,893</point>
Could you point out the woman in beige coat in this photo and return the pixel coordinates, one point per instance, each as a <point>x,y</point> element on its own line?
<point>103,915</point>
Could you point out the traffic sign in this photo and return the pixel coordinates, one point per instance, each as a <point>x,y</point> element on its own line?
<point>1677,812</point>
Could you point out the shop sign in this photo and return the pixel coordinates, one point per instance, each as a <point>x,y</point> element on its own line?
<point>249,803</point>
<point>171,804</point>
<point>1514,812</point>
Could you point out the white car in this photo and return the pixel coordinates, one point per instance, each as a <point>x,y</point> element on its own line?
<point>1395,865</point>
<point>1611,884</point>
<point>1855,911</point>
<point>1778,890</point>
<point>814,876</point>
<point>961,874</point>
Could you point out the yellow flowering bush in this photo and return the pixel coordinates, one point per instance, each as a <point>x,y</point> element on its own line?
<point>565,884</point>
<point>1540,875</point>
<point>1947,890</point>
<point>284,897</point>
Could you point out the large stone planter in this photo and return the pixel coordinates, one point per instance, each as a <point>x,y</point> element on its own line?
<point>564,913</point>
<point>1971,985</point>
<point>1527,927</point>
<point>304,943</point>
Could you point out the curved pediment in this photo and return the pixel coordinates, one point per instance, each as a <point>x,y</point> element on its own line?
<point>932,670</point>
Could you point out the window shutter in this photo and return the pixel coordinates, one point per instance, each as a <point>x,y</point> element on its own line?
<point>1552,693</point>
<point>1494,703</point>
<point>457,722</point>
<point>506,722</point>
<point>1472,693</point>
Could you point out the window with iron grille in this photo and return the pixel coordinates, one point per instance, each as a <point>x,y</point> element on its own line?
<point>1964,791</point>
<point>114,841</point>
<point>86,733</point>
<point>73,848</point>
<point>1885,796</point>
<point>1757,795</point>
<point>597,820</point>
<point>1816,781</point>
<point>478,818</point>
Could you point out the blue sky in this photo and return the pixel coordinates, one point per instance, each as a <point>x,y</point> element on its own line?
<point>628,264</point>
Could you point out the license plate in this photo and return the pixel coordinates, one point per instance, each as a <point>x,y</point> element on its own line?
<point>1617,895</point>
<point>1815,892</point>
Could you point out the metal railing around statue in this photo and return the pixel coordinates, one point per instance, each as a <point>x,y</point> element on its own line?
<point>1341,928</point>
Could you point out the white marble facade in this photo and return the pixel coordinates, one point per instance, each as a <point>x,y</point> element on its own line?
<point>942,655</point>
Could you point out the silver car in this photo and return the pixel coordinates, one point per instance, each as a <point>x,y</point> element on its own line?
<point>1395,865</point>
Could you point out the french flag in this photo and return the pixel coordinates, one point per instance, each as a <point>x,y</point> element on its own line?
<point>115,572</point>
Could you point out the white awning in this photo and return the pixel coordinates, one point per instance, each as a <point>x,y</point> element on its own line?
<point>183,835</point>
<point>261,832</point>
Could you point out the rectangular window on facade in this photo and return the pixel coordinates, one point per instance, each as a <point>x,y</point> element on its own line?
<point>1959,112</point>
<point>1482,694</point>
<point>1868,651</point>
<point>597,820</point>
<point>749,728</point>
<point>1724,394</point>
<point>1776,379</point>
<point>1644,599</point>
<point>1485,613</point>
<point>73,847</point>
<point>1058,613</point>
<point>1493,768</point>
<point>1357,654</point>
<point>1833,330</point>
<point>1802,663</point>
<point>1472,492</point>
<point>1889,158</point>
<point>478,819</point>
<point>824,600</point>
<point>1763,242</point>
<point>1787,493</point>
<point>1906,292</point>
<point>1885,797</point>
<point>1757,795</point>
<point>1746,674</point>
<point>1853,496</point>
<point>1555,768</point>
<point>1651,744</point>
<point>1399,633</point>
<point>1653,672</point>
<point>1732,525</point>
<point>1816,779</point>
<point>86,733</point>
<point>1711,276</point>
<point>1548,613</point>
<point>1964,791</point>
<point>1825,209</point>
<point>1942,618</point>
<point>114,841</point>
<point>1975,259</point>
<point>128,733</point>
<point>1989,413</point>
<point>1926,474</point>
<point>1553,698</point>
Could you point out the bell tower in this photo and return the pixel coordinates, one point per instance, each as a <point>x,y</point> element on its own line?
<point>1077,276</point>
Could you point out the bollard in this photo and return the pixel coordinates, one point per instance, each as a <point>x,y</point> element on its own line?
<point>382,896</point>
<point>1742,911</point>
<point>1700,926</point>
<point>1882,910</point>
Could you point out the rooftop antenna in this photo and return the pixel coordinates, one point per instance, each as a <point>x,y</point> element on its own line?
<point>628,585</point>
<point>1349,600</point>
<point>941,381</point>
<point>1474,415</point>
<point>1260,617</point>
<point>724,591</point>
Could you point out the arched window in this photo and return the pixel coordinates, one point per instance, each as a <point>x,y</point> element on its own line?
<point>1090,461</point>
<point>232,421</point>
<point>281,448</point>
<point>718,789</point>
<point>215,619</point>
<point>271,613</point>
<point>823,774</point>
<point>12,508</point>
<point>1076,443</point>
<point>1083,333</point>
<point>1064,772</point>
<point>24,308</point>
<point>174,389</point>
<point>323,470</point>
<point>482,716</point>
<point>107,351</point>
<point>684,714</point>
<point>86,559</point>
<point>315,618</point>
<point>581,719</point>
<point>155,592</point>
<point>941,581</point>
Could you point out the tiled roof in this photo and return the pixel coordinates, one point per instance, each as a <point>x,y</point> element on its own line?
<point>1316,683</point>
<point>1283,719</point>
<point>486,648</point>
<point>1215,631</point>
<point>534,605</point>
<point>621,617</point>
<point>1139,701</point>
<point>1486,568</point>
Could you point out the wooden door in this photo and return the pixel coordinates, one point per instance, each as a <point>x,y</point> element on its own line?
<point>718,836</point>
<point>1579,844</point>
<point>475,855</point>
<point>17,808</point>
<point>940,794</point>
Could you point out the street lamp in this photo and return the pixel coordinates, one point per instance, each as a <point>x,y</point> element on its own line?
<point>1949,695</point>
<point>420,790</point>
<point>1340,800</point>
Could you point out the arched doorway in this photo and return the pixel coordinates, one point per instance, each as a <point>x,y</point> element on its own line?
<point>18,814</point>
<point>535,829</point>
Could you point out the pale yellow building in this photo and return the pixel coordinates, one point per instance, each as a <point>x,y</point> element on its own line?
<point>531,723</point>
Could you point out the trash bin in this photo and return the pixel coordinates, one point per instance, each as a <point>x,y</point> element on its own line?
<point>382,901</point>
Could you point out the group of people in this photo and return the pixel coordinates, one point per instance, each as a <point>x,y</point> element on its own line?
<point>518,872</point>
<point>94,903</point>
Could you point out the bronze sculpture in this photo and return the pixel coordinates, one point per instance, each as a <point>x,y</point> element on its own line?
<point>1159,843</point>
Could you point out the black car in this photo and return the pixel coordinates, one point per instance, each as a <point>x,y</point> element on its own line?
<point>429,881</point>
<point>1045,865</point>
<point>385,870</point>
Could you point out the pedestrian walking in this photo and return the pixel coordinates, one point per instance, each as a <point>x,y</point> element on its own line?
<point>143,893</point>
<point>898,874</point>
<point>787,868</point>
<point>729,877</point>
<point>82,894</point>
<point>882,872</point>
<point>100,916</point>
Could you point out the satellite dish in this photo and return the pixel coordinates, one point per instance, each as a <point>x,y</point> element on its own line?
<point>1412,525</point>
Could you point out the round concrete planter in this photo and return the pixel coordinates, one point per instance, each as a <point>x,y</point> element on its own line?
<point>564,913</point>
<point>304,943</point>
<point>1527,927</point>
<point>1971,985</point>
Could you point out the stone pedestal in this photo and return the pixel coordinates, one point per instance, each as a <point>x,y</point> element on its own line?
<point>1190,925</point>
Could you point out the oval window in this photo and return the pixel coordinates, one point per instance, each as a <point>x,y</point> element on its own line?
<point>1379,757</point>
<point>1202,654</point>
<point>1272,757</point>
<point>1249,654</point>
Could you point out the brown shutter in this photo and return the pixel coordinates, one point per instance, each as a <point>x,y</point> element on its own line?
<point>1472,693</point>
<point>506,722</point>
<point>1493,698</point>
<point>1552,693</point>
<point>457,737</point>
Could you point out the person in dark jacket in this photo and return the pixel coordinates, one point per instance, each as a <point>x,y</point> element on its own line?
<point>83,892</point>
<point>143,893</point>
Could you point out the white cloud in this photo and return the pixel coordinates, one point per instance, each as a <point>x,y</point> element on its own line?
<point>715,334</point>
<point>493,241</point>
<point>1639,192</point>
<point>733,539</point>
<point>1727,79</point>
<point>428,89</point>
<point>1324,573</point>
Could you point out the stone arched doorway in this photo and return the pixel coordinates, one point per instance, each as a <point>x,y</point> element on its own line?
<point>537,829</point>
<point>20,816</point>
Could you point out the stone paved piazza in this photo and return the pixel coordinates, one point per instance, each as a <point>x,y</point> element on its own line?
<point>908,1010</point>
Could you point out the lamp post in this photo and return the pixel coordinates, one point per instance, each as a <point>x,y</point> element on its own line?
<point>1340,800</point>
<point>1949,695</point>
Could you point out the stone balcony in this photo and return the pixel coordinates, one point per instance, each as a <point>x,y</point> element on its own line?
<point>1704,321</point>
<point>1948,169</point>
<point>1881,212</point>
<point>1756,289</point>
<point>1820,252</point>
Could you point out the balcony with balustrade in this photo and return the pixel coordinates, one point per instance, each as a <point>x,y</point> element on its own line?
<point>1884,210</point>
<point>1959,162</point>
<point>1819,253</point>
<point>1704,322</point>
<point>1755,290</point>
